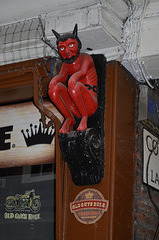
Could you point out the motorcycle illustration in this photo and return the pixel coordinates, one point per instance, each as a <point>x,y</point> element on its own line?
<point>23,201</point>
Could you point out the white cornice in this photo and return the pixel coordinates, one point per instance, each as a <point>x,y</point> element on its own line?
<point>99,30</point>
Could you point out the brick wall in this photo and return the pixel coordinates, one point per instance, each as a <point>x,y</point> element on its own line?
<point>145,216</point>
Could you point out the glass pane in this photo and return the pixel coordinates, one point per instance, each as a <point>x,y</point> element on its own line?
<point>27,203</point>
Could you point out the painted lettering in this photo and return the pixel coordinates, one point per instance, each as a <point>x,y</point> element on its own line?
<point>4,135</point>
<point>103,205</point>
<point>156,178</point>
<point>33,216</point>
<point>9,215</point>
<point>152,178</point>
<point>21,216</point>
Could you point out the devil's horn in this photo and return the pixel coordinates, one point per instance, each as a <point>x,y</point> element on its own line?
<point>75,30</point>
<point>57,35</point>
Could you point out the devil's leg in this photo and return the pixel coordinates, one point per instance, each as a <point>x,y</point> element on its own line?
<point>60,97</point>
<point>85,101</point>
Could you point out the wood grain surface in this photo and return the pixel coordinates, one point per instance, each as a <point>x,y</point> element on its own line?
<point>20,116</point>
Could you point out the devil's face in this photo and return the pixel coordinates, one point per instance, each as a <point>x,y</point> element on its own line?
<point>68,50</point>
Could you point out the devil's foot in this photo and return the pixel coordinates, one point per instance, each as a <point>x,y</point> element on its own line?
<point>69,122</point>
<point>83,124</point>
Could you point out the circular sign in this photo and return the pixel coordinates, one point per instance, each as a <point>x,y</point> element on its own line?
<point>89,206</point>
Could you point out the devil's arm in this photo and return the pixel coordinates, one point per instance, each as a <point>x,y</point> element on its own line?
<point>61,77</point>
<point>87,62</point>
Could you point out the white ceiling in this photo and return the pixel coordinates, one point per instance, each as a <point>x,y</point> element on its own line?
<point>98,30</point>
<point>101,24</point>
<point>15,10</point>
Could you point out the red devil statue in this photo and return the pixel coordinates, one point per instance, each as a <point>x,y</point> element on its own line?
<point>77,98</point>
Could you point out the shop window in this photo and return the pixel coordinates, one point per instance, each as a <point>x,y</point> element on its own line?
<point>27,174</point>
<point>37,173</point>
<point>27,208</point>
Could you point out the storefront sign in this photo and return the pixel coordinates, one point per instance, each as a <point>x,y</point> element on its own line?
<point>150,142</point>
<point>23,140</point>
<point>89,206</point>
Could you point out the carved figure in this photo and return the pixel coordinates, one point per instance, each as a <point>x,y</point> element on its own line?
<point>78,98</point>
